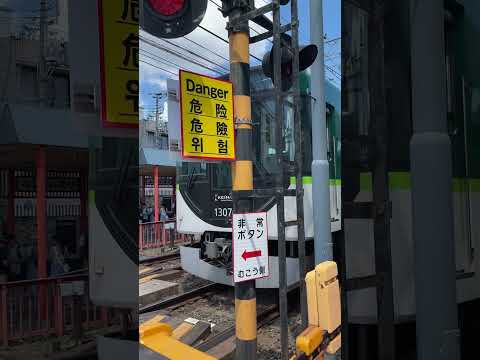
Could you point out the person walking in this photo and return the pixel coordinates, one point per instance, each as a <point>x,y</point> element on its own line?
<point>163,214</point>
<point>169,227</point>
<point>57,260</point>
<point>14,260</point>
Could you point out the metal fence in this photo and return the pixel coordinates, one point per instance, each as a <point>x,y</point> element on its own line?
<point>156,235</point>
<point>45,307</point>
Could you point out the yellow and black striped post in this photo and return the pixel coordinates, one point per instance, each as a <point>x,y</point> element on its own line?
<point>242,180</point>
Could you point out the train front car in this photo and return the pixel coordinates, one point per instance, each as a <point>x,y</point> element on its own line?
<point>463,115</point>
<point>204,203</point>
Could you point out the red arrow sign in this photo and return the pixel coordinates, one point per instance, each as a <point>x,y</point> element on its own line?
<point>251,254</point>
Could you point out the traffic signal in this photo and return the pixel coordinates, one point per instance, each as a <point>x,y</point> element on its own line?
<point>307,56</point>
<point>172,18</point>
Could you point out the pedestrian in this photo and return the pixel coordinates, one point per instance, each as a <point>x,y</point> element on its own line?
<point>169,227</point>
<point>14,259</point>
<point>163,214</point>
<point>145,214</point>
<point>57,260</point>
<point>150,213</point>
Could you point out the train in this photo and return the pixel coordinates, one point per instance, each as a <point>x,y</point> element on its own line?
<point>463,117</point>
<point>203,194</point>
<point>203,189</point>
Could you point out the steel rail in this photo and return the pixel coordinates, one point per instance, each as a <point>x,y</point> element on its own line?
<point>180,299</point>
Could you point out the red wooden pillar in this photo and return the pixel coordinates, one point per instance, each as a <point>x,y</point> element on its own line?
<point>155,192</point>
<point>41,213</point>
<point>11,202</point>
<point>41,217</point>
<point>58,304</point>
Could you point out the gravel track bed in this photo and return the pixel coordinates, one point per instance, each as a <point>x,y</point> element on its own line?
<point>217,309</point>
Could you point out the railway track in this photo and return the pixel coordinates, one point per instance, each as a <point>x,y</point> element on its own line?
<point>160,259</point>
<point>181,299</point>
<point>265,317</point>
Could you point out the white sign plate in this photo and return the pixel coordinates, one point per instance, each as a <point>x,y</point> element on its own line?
<point>250,246</point>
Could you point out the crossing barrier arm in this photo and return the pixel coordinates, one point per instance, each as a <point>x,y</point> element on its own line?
<point>157,337</point>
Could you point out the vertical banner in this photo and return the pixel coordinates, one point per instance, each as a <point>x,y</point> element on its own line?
<point>119,44</point>
<point>206,106</point>
<point>250,246</point>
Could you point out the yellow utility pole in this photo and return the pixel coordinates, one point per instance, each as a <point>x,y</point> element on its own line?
<point>242,170</point>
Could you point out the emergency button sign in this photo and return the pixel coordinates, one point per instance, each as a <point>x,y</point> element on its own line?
<point>207,117</point>
<point>250,246</point>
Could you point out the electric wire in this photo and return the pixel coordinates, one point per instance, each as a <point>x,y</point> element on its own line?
<point>152,54</point>
<point>158,67</point>
<point>194,54</point>
<point>159,60</point>
<point>170,63</point>
<point>178,54</point>
<point>225,41</point>
<point>205,48</point>
<point>333,71</point>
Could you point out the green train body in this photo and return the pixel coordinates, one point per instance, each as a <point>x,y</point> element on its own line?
<point>462,31</point>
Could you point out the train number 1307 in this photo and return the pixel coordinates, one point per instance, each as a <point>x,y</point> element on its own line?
<point>219,211</point>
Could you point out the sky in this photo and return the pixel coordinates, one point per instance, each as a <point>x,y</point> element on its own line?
<point>210,53</point>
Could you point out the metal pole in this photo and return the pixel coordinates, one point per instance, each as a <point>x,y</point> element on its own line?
<point>378,129</point>
<point>279,120</point>
<point>432,213</point>
<point>299,164</point>
<point>322,234</point>
<point>242,174</point>
<point>320,167</point>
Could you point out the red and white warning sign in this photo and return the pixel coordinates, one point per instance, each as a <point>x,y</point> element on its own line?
<point>250,246</point>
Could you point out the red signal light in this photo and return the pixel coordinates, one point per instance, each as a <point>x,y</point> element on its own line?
<point>167,7</point>
<point>171,19</point>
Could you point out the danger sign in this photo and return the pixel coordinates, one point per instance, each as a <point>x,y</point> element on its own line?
<point>250,246</point>
<point>206,106</point>
<point>119,44</point>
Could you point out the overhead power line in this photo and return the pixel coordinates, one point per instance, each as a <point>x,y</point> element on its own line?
<point>225,41</point>
<point>176,54</point>
<point>205,48</point>
<point>157,59</point>
<point>179,55</point>
<point>158,67</point>
<point>195,54</point>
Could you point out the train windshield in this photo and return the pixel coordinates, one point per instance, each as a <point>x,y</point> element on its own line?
<point>206,187</point>
<point>264,147</point>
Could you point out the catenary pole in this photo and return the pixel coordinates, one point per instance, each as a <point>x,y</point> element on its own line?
<point>431,168</point>
<point>320,167</point>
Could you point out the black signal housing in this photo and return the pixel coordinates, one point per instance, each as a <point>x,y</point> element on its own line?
<point>172,18</point>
